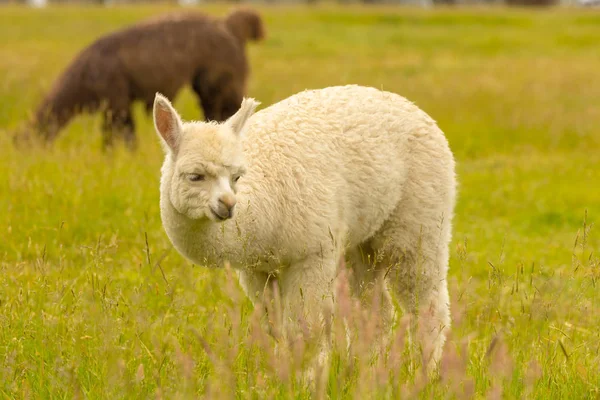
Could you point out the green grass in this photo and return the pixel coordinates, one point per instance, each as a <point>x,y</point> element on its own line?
<point>94,302</point>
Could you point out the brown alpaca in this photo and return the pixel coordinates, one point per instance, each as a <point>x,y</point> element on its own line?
<point>159,55</point>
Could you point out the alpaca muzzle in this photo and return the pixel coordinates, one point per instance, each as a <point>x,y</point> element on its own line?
<point>225,207</point>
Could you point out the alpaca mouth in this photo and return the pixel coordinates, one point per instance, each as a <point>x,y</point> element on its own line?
<point>219,216</point>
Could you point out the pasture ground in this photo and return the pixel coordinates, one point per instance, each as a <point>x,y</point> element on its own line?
<point>94,304</point>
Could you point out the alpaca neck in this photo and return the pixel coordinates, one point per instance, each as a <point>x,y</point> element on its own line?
<point>202,241</point>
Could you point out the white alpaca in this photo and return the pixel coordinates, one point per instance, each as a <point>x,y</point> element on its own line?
<point>343,171</point>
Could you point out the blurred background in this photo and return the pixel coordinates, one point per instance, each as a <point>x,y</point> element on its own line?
<point>94,302</point>
<point>420,3</point>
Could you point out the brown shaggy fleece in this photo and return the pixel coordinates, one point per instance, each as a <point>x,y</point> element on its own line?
<point>158,55</point>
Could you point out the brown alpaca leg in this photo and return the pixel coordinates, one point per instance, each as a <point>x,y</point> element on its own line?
<point>118,123</point>
<point>219,95</point>
<point>207,100</point>
<point>230,103</point>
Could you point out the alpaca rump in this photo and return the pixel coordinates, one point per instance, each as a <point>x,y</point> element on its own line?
<point>158,55</point>
<point>345,172</point>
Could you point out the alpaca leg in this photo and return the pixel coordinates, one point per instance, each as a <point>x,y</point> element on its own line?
<point>414,245</point>
<point>218,95</point>
<point>254,284</point>
<point>118,122</point>
<point>208,96</point>
<point>108,129</point>
<point>116,104</point>
<point>257,286</point>
<point>128,132</point>
<point>307,301</point>
<point>367,281</point>
<point>429,304</point>
<point>230,102</point>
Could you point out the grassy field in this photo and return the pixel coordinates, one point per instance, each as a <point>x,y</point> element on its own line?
<point>94,303</point>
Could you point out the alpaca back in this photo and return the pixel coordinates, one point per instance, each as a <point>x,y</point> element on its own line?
<point>166,54</point>
<point>331,164</point>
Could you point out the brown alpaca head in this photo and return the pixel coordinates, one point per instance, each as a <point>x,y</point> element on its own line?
<point>246,24</point>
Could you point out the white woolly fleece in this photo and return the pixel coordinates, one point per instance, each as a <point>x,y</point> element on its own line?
<point>347,170</point>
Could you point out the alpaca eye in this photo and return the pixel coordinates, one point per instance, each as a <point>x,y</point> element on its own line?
<point>236,178</point>
<point>195,177</point>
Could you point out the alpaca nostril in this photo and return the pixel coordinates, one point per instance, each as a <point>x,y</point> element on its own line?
<point>228,201</point>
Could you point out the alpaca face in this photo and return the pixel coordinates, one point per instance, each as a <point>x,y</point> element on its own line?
<point>205,172</point>
<point>204,161</point>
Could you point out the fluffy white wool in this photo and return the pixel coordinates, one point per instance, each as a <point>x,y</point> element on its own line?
<point>342,171</point>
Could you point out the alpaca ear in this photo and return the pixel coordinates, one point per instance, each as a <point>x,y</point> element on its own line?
<point>167,122</point>
<point>237,122</point>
